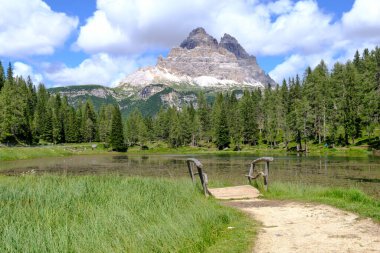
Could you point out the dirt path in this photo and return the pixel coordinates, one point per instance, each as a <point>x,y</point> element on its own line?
<point>301,227</point>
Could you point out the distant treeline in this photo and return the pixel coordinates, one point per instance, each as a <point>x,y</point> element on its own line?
<point>331,107</point>
<point>30,115</point>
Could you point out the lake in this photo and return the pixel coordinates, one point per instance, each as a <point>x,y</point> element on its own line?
<point>361,172</point>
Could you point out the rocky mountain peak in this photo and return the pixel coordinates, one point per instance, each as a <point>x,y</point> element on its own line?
<point>198,30</point>
<point>231,44</point>
<point>199,37</point>
<point>200,61</point>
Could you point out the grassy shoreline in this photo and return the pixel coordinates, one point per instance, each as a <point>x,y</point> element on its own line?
<point>118,214</point>
<point>19,153</point>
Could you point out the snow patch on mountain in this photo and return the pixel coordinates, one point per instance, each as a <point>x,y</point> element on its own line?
<point>155,75</point>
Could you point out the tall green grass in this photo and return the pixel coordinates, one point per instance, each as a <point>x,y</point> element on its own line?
<point>353,200</point>
<point>115,214</point>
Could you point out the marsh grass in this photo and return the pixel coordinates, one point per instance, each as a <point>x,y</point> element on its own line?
<point>353,200</point>
<point>115,214</point>
<point>20,153</point>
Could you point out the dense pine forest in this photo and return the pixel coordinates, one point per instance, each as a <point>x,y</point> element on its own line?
<point>331,107</point>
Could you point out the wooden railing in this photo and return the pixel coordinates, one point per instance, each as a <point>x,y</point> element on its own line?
<point>253,173</point>
<point>191,163</point>
<point>252,169</point>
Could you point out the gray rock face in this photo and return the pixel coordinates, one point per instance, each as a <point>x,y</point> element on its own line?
<point>231,44</point>
<point>199,38</point>
<point>200,60</point>
<point>149,91</point>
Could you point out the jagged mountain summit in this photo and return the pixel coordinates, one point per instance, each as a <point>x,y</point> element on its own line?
<point>200,61</point>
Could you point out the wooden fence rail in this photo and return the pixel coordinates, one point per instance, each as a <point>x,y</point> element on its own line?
<point>251,173</point>
<point>191,163</point>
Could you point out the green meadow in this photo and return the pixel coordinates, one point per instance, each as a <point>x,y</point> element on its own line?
<point>116,214</point>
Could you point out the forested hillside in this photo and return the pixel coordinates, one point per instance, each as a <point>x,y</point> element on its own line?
<point>330,107</point>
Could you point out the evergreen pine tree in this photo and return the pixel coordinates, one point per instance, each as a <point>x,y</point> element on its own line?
<point>174,130</point>
<point>204,117</point>
<point>2,76</point>
<point>105,118</point>
<point>26,135</point>
<point>48,126</point>
<point>222,131</point>
<point>270,119</point>
<point>249,111</point>
<point>58,119</point>
<point>89,122</point>
<point>40,114</point>
<point>336,115</point>
<point>136,130</point>
<point>234,121</point>
<point>10,76</point>
<point>13,122</point>
<point>79,124</point>
<point>185,131</point>
<point>117,132</point>
<point>284,111</point>
<point>161,125</point>
<point>351,121</point>
<point>71,128</point>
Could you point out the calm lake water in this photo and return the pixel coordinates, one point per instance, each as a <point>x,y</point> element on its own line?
<point>363,172</point>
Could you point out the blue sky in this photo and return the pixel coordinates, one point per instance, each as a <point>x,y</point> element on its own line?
<point>80,42</point>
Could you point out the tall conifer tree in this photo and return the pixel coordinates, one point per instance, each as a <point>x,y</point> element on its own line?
<point>117,132</point>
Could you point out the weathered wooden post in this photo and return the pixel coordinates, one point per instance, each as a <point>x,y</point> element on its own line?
<point>190,166</point>
<point>265,174</point>
<point>202,176</point>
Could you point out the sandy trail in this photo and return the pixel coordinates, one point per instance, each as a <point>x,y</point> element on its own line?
<point>301,227</point>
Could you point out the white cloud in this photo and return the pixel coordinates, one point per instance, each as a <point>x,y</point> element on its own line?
<point>25,70</point>
<point>362,21</point>
<point>30,27</point>
<point>280,7</point>
<point>358,29</point>
<point>272,28</point>
<point>99,69</point>
<point>133,26</point>
<point>297,63</point>
<point>288,68</point>
<point>120,31</point>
